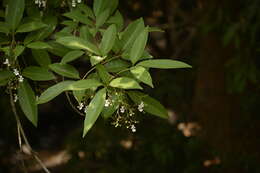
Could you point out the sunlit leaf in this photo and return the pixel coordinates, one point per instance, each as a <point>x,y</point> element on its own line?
<point>84,84</point>
<point>108,39</point>
<point>65,70</point>
<point>163,64</point>
<point>142,74</point>
<point>125,83</point>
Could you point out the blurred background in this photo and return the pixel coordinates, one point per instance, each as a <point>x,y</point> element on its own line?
<point>214,115</point>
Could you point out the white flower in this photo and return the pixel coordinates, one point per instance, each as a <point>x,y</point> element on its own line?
<point>73,3</point>
<point>108,103</point>
<point>141,107</point>
<point>16,72</point>
<point>79,1</point>
<point>131,114</point>
<point>20,78</point>
<point>80,106</point>
<point>122,109</point>
<point>6,62</point>
<point>86,108</point>
<point>133,128</point>
<point>15,98</point>
<point>36,1</point>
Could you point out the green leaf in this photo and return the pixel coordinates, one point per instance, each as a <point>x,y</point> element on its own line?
<point>78,16</point>
<point>5,75</point>
<point>38,73</point>
<point>102,18</point>
<point>138,47</point>
<point>72,56</point>
<point>163,64</point>
<point>18,50</point>
<point>96,59</point>
<point>108,39</point>
<point>151,105</point>
<point>117,65</point>
<point>85,33</point>
<point>79,95</point>
<point>103,74</point>
<point>101,5</point>
<point>53,91</point>
<point>142,74</point>
<point>154,29</point>
<point>78,43</point>
<point>14,13</point>
<point>31,26</point>
<point>58,49</point>
<point>65,70</point>
<point>38,45</point>
<point>4,28</point>
<point>27,102</point>
<point>85,9</point>
<point>94,109</point>
<point>125,83</point>
<point>131,32</point>
<point>117,19</point>
<point>84,84</point>
<point>42,57</point>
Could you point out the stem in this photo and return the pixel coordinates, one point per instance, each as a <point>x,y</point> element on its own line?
<point>22,135</point>
<point>71,104</point>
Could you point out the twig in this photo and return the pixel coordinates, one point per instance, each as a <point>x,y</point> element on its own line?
<point>71,104</point>
<point>22,135</point>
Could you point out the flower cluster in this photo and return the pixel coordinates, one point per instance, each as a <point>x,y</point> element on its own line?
<point>41,3</point>
<point>141,107</point>
<point>74,2</point>
<point>17,73</point>
<point>6,62</point>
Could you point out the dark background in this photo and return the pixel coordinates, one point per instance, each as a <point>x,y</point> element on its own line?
<point>214,107</point>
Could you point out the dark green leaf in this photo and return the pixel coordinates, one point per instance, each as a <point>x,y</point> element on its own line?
<point>31,26</point>
<point>163,64</point>
<point>65,70</point>
<point>78,16</point>
<point>38,73</point>
<point>38,45</point>
<point>79,95</point>
<point>54,91</point>
<point>103,74</point>
<point>14,13</point>
<point>137,49</point>
<point>72,56</point>
<point>117,65</point>
<point>108,39</point>
<point>151,105</point>
<point>117,19</point>
<point>27,102</point>
<point>84,84</point>
<point>101,19</point>
<point>78,43</point>
<point>94,109</point>
<point>5,75</point>
<point>42,57</point>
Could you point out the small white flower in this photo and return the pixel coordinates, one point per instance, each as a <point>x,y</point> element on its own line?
<point>80,106</point>
<point>122,109</point>
<point>86,108</point>
<point>20,78</point>
<point>78,1</point>
<point>131,114</point>
<point>141,107</point>
<point>15,98</point>
<point>16,72</point>
<point>73,3</point>
<point>133,128</point>
<point>6,62</point>
<point>43,4</point>
<point>107,103</point>
<point>36,1</point>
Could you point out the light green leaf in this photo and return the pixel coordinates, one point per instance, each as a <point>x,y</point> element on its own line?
<point>94,109</point>
<point>138,47</point>
<point>65,70</point>
<point>117,19</point>
<point>131,32</point>
<point>31,26</point>
<point>96,59</point>
<point>85,33</point>
<point>151,105</point>
<point>14,13</point>
<point>103,74</point>
<point>38,73</point>
<point>142,74</point>
<point>27,101</point>
<point>38,45</point>
<point>18,50</point>
<point>102,18</point>
<point>108,39</point>
<point>42,57</point>
<point>125,83</point>
<point>84,84</point>
<point>53,91</point>
<point>72,56</point>
<point>163,64</point>
<point>78,43</point>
